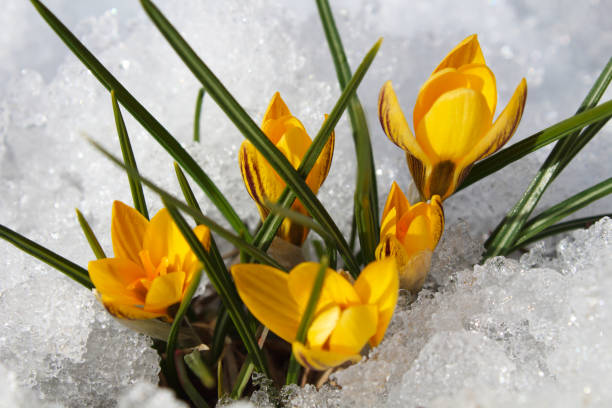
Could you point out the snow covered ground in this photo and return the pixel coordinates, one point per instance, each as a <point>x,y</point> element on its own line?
<point>528,332</point>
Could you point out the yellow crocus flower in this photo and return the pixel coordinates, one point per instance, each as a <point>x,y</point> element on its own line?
<point>261,180</point>
<point>453,120</point>
<point>152,267</point>
<point>347,316</point>
<point>410,233</point>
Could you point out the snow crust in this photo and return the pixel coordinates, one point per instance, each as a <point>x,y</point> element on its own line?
<point>529,332</point>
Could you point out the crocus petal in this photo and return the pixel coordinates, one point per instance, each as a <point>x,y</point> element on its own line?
<point>251,175</point>
<point>414,270</point>
<point>378,284</point>
<point>480,78</point>
<point>265,292</point>
<point>319,171</point>
<point>355,326</point>
<point>322,326</point>
<point>394,123</point>
<point>466,52</point>
<point>112,276</point>
<point>129,312</point>
<point>439,83</point>
<point>164,239</point>
<point>336,289</point>
<point>503,128</point>
<point>293,145</point>
<point>277,108</point>
<point>317,359</point>
<point>190,261</point>
<point>397,202</point>
<point>165,291</point>
<point>128,227</point>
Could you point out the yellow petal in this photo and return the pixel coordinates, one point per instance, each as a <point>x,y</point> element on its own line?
<point>130,312</point>
<point>265,292</point>
<point>317,359</point>
<point>322,325</point>
<point>128,227</point>
<point>480,78</point>
<point>466,52</point>
<point>293,145</point>
<point>336,289</point>
<point>454,124</point>
<point>163,239</point>
<point>421,227</point>
<point>321,168</point>
<point>437,84</point>
<point>394,123</point>
<point>190,261</point>
<point>251,175</point>
<point>378,284</point>
<point>355,326</point>
<point>112,276</point>
<point>276,108</point>
<point>165,291</point>
<point>503,128</point>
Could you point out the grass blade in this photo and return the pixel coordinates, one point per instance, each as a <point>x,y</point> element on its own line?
<point>178,318</point>
<point>294,367</point>
<point>250,130</point>
<point>193,394</point>
<point>159,133</point>
<point>128,157</point>
<point>300,219</point>
<point>198,114</point>
<point>224,287</point>
<point>47,256</point>
<point>200,218</point>
<point>366,192</point>
<point>536,141</point>
<point>555,229</point>
<point>565,208</point>
<point>91,237</point>
<point>509,229</point>
<point>198,367</point>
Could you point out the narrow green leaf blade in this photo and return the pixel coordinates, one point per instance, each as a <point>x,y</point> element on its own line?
<point>159,133</point>
<point>250,130</point>
<point>226,290</point>
<point>509,229</point>
<point>536,141</point>
<point>366,192</point>
<point>198,367</point>
<point>555,229</point>
<point>307,317</point>
<point>198,115</point>
<point>47,256</point>
<point>91,237</point>
<point>193,394</point>
<point>128,157</point>
<point>178,318</point>
<point>565,208</point>
<point>197,216</point>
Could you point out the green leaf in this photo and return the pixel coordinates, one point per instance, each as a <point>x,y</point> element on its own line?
<point>562,227</point>
<point>197,216</point>
<point>294,367</point>
<point>509,229</point>
<point>536,141</point>
<point>178,318</point>
<point>243,378</point>
<point>224,287</point>
<point>128,157</point>
<point>222,326</point>
<point>159,133</point>
<point>250,130</point>
<point>266,233</point>
<point>193,394</point>
<point>366,194</point>
<point>299,218</point>
<point>564,208</point>
<point>91,237</point>
<point>198,114</point>
<point>47,256</point>
<point>198,367</point>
